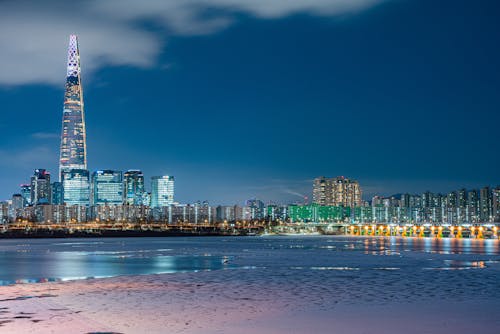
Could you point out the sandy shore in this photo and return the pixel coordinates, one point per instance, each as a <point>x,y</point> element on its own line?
<point>236,301</point>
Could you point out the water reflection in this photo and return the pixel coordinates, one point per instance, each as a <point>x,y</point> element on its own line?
<point>59,266</point>
<point>50,260</point>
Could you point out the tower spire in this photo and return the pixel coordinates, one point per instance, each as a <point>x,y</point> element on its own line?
<point>73,57</point>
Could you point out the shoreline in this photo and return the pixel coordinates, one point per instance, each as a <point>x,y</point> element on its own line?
<point>64,234</point>
<point>273,286</point>
<point>206,303</point>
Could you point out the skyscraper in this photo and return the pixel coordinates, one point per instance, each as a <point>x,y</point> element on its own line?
<point>133,182</point>
<point>40,187</point>
<point>57,193</point>
<point>73,172</point>
<point>73,153</point>
<point>76,187</point>
<point>26,194</point>
<point>162,191</point>
<point>107,187</point>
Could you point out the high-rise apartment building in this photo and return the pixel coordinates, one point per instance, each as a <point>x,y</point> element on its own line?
<point>486,205</point>
<point>107,187</point>
<point>162,191</point>
<point>133,183</point>
<point>496,204</point>
<point>40,187</point>
<point>339,191</point>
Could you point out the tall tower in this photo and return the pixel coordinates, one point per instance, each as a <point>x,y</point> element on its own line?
<point>73,138</point>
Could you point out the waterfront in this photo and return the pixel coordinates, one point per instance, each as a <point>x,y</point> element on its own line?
<point>275,284</point>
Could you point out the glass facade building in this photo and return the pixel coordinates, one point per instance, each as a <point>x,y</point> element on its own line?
<point>162,191</point>
<point>40,187</point>
<point>76,187</point>
<point>73,153</point>
<point>57,193</point>
<point>26,194</point>
<point>107,187</point>
<point>133,182</point>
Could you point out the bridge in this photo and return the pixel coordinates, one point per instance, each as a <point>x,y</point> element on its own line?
<point>477,231</point>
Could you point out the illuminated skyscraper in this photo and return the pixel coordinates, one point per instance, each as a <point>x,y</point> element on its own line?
<point>162,191</point>
<point>40,187</point>
<point>133,181</point>
<point>76,187</point>
<point>73,153</point>
<point>107,187</point>
<point>26,194</point>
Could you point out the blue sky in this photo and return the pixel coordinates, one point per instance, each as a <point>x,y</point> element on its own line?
<point>242,99</point>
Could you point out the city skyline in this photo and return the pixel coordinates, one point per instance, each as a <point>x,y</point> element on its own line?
<point>253,141</point>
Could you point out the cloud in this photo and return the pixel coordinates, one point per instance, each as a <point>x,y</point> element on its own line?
<point>34,34</point>
<point>33,156</point>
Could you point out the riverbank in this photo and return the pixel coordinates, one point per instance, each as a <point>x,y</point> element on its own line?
<point>279,284</point>
<point>216,302</point>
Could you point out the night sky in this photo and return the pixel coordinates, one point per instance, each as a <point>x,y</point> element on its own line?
<point>241,99</point>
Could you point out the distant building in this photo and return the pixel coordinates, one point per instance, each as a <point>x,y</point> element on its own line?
<point>496,204</point>
<point>255,209</point>
<point>76,187</point>
<point>17,202</point>
<point>107,187</point>
<point>339,191</point>
<point>133,182</point>
<point>162,191</point>
<point>486,205</point>
<point>57,193</point>
<point>40,187</point>
<point>16,206</point>
<point>26,194</point>
<point>472,210</point>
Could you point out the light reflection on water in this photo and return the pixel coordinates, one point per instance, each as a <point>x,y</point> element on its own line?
<point>52,260</point>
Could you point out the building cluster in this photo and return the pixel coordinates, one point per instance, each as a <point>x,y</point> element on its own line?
<point>115,196</point>
<point>339,199</point>
<point>105,194</point>
<point>78,194</point>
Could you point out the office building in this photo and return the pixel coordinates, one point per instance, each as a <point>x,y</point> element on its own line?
<point>133,183</point>
<point>162,191</point>
<point>76,186</point>
<point>40,188</point>
<point>107,187</point>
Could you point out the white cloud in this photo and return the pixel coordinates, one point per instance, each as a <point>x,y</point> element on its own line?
<point>34,34</point>
<point>32,156</point>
